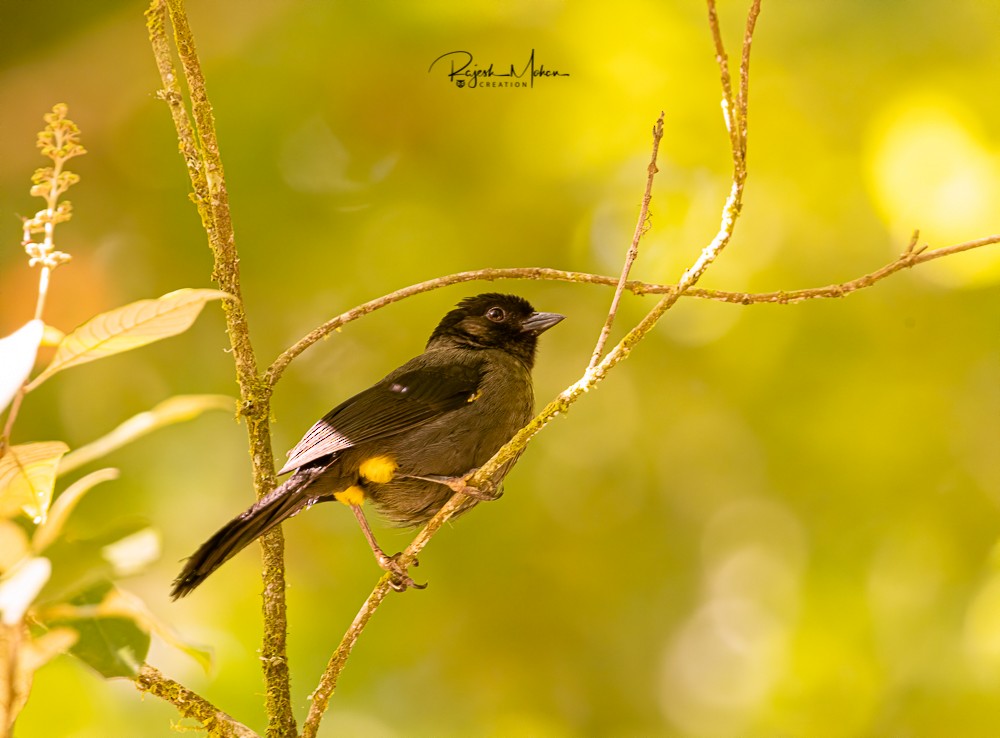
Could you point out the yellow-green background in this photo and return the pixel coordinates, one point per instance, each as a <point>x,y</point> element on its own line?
<point>770,521</point>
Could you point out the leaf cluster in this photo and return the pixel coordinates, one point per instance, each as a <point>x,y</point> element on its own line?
<point>60,591</point>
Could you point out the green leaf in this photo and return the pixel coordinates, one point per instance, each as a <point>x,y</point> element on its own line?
<point>105,603</point>
<point>113,646</point>
<point>128,327</point>
<point>114,633</point>
<point>80,564</point>
<point>27,477</point>
<point>172,410</point>
<point>17,357</point>
<point>124,603</point>
<point>49,530</point>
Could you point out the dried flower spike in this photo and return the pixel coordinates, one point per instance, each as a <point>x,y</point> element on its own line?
<point>60,142</point>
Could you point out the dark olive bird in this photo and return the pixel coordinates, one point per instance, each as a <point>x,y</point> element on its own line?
<point>410,440</point>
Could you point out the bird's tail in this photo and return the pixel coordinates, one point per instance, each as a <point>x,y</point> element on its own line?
<point>281,504</point>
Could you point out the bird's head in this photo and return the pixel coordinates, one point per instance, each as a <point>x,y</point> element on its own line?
<point>494,321</point>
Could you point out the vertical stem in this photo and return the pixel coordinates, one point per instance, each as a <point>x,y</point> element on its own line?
<point>48,242</point>
<point>44,254</point>
<point>43,290</point>
<point>633,250</point>
<point>208,179</point>
<point>8,426</point>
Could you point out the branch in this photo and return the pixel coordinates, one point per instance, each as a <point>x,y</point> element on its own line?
<point>320,698</point>
<point>216,722</point>
<point>200,149</point>
<point>633,251</point>
<point>909,258</point>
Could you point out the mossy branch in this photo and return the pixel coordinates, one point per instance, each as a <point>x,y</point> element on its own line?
<point>200,149</point>
<point>190,705</point>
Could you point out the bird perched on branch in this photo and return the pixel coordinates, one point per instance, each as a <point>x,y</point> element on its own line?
<point>410,441</point>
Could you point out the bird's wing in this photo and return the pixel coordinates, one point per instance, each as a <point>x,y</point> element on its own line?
<point>403,400</point>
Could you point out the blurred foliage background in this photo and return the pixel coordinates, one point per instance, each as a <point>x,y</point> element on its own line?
<point>770,521</point>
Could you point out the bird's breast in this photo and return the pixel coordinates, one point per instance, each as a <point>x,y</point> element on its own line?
<point>467,437</point>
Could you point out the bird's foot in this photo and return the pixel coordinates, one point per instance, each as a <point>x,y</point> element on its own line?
<point>399,576</point>
<point>459,484</point>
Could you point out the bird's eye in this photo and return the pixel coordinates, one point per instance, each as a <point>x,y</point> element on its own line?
<point>496,314</point>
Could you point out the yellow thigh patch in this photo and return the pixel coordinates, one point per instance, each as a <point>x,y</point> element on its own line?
<point>378,469</point>
<point>353,495</point>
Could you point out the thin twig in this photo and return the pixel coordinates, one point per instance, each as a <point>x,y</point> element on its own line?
<point>905,260</point>
<point>727,89</point>
<point>320,698</point>
<point>741,100</point>
<point>201,153</point>
<point>189,704</point>
<point>12,412</point>
<point>641,226</point>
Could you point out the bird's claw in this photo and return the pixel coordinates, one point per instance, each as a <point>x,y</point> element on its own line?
<point>399,577</point>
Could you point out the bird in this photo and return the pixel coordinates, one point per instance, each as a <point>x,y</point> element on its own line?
<point>411,440</point>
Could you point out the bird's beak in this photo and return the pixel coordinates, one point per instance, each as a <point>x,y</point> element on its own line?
<point>539,322</point>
